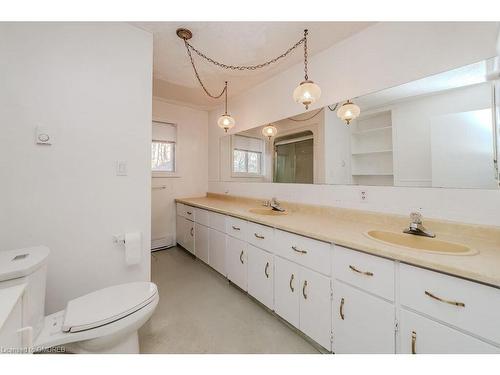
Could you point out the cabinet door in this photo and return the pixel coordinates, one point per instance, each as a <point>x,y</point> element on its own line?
<point>180,230</point>
<point>362,323</point>
<point>286,290</point>
<point>189,236</point>
<point>423,335</point>
<point>201,242</point>
<point>236,261</point>
<point>217,251</point>
<point>260,275</point>
<point>315,307</point>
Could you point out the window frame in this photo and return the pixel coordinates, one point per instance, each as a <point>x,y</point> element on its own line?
<point>247,174</point>
<point>168,174</point>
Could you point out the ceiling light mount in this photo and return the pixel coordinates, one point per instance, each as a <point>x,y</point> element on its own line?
<point>184,34</point>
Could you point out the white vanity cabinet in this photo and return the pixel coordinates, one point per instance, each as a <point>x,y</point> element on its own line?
<point>303,298</point>
<point>261,275</point>
<point>217,251</point>
<point>362,323</point>
<point>421,335</point>
<point>236,261</point>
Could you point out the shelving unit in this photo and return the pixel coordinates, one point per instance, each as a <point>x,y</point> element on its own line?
<point>371,149</point>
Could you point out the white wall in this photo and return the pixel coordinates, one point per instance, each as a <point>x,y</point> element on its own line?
<point>90,85</point>
<point>191,177</point>
<point>380,56</point>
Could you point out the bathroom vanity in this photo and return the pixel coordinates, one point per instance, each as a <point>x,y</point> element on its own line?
<point>319,270</point>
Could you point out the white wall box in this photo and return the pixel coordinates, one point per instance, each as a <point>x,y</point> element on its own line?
<point>420,335</point>
<point>362,323</point>
<point>261,276</point>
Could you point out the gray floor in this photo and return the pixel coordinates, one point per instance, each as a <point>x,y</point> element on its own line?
<point>201,312</point>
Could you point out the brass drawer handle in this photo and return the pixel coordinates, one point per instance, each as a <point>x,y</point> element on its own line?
<point>265,270</point>
<point>189,212</point>
<point>341,310</point>
<point>241,257</point>
<point>455,303</point>
<point>413,342</point>
<point>366,273</point>
<point>291,281</point>
<point>259,236</point>
<point>192,231</point>
<point>236,228</point>
<point>294,248</point>
<point>304,289</point>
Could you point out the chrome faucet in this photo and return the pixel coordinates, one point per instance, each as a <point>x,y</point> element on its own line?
<point>416,226</point>
<point>274,204</point>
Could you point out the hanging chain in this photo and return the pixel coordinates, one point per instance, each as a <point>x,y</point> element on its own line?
<point>190,48</point>
<point>305,54</point>
<point>308,118</point>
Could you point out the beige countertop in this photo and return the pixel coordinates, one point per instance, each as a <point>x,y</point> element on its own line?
<point>347,228</point>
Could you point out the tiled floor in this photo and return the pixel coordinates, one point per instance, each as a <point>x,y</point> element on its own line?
<point>201,312</point>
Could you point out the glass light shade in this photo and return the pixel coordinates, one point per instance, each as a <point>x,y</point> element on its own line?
<point>307,93</point>
<point>348,112</point>
<point>269,131</point>
<point>226,122</point>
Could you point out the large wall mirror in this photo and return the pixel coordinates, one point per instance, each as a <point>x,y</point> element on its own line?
<point>439,131</point>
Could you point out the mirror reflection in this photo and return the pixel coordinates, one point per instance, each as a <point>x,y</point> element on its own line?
<point>439,131</point>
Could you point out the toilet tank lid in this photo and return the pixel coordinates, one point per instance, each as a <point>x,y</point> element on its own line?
<point>22,262</point>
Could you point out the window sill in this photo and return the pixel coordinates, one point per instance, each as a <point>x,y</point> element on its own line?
<point>246,175</point>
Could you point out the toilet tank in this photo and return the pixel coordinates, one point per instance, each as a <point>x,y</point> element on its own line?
<point>27,266</point>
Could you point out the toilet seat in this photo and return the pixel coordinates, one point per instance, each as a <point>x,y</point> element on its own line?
<point>107,305</point>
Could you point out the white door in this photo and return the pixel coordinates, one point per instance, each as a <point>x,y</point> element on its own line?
<point>362,323</point>
<point>425,336</point>
<point>217,251</point>
<point>189,236</point>
<point>260,275</point>
<point>236,261</point>
<point>315,307</point>
<point>201,242</point>
<point>286,290</point>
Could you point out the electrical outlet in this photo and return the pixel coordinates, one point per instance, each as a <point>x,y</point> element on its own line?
<point>363,196</point>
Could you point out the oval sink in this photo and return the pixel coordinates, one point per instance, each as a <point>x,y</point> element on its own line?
<point>421,243</point>
<point>266,211</point>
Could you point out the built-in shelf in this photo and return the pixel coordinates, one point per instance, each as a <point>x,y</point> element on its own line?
<point>371,149</point>
<point>370,131</point>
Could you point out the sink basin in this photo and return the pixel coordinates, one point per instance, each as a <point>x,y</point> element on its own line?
<point>420,243</point>
<point>266,211</point>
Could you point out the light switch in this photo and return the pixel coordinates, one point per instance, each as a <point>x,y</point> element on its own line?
<point>43,136</point>
<point>121,168</point>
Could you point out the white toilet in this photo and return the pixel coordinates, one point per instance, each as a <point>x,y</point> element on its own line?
<point>104,321</point>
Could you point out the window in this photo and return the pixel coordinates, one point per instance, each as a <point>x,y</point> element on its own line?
<point>247,155</point>
<point>163,148</point>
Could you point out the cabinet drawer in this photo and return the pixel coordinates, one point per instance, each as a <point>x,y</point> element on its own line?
<point>420,335</point>
<point>201,216</point>
<point>261,236</point>
<point>305,251</point>
<point>217,221</point>
<point>236,228</point>
<point>368,272</point>
<point>464,304</point>
<point>185,211</point>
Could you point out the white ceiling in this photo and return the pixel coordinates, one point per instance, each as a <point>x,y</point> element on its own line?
<point>235,43</point>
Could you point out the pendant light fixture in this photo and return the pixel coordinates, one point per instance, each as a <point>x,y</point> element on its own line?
<point>226,122</point>
<point>307,92</point>
<point>348,112</point>
<point>269,131</point>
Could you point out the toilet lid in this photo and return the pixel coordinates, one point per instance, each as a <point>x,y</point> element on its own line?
<point>107,305</point>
